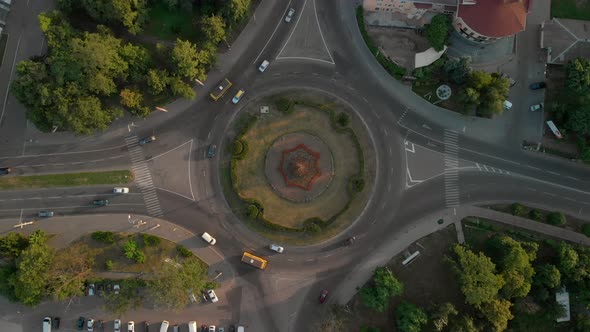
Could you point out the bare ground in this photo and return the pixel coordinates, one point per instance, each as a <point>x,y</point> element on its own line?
<point>400,45</point>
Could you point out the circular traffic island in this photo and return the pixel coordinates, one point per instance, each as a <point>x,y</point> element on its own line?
<point>299,171</point>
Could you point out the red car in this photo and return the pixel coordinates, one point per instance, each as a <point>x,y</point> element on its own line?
<point>323,296</point>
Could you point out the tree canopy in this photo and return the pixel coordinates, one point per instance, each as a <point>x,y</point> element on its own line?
<point>385,286</point>
<point>410,318</point>
<point>437,32</point>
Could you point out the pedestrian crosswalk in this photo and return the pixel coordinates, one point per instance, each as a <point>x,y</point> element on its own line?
<point>451,140</point>
<point>486,168</point>
<point>143,177</point>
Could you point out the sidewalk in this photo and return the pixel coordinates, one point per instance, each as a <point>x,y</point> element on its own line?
<point>427,225</point>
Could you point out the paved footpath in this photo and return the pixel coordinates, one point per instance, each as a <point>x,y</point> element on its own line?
<point>427,225</point>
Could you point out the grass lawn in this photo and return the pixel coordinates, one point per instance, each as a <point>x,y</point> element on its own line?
<point>169,25</point>
<point>574,9</point>
<point>66,180</point>
<point>428,92</point>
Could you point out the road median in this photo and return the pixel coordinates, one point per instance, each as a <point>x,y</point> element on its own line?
<point>66,180</point>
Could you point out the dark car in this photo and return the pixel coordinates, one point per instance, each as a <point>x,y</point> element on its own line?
<point>56,321</point>
<point>45,214</point>
<point>5,170</point>
<point>204,328</point>
<point>323,296</point>
<point>350,241</point>
<point>211,151</point>
<point>80,324</point>
<point>100,202</point>
<point>147,140</point>
<point>537,85</point>
<point>232,328</point>
<point>147,326</point>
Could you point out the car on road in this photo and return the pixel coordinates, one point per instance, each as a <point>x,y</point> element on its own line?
<point>536,107</point>
<point>212,296</point>
<point>212,328</point>
<point>147,140</point>
<point>537,85</point>
<point>350,241</point>
<point>56,321</point>
<point>236,99</point>
<point>211,151</point>
<point>290,15</point>
<point>45,214</point>
<point>131,326</point>
<point>90,325</point>
<point>263,66</point>
<point>323,296</point>
<point>5,170</point>
<point>91,290</point>
<point>120,190</point>
<point>80,324</point>
<point>117,325</point>
<point>210,239</point>
<point>277,248</point>
<point>100,202</point>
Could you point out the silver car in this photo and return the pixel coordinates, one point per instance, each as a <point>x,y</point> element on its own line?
<point>290,15</point>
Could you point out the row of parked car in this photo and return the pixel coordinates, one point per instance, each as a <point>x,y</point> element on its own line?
<point>90,324</point>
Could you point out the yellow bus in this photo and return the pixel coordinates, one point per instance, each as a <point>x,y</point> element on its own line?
<point>220,89</point>
<point>254,260</point>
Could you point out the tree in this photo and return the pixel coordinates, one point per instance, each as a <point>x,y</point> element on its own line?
<point>12,245</point>
<point>578,76</point>
<point>236,10</point>
<point>437,32</point>
<point>441,314</point>
<point>486,92</point>
<point>186,60</point>
<point>579,118</point>
<point>130,13</point>
<point>128,298</point>
<point>556,218</point>
<point>178,87</point>
<point>385,285</point>
<point>31,278</point>
<point>458,69</point>
<point>70,269</point>
<point>476,273</point>
<point>138,60</point>
<point>171,284</point>
<point>157,81</point>
<point>517,210</point>
<point>131,98</point>
<point>464,324</point>
<point>497,312</point>
<point>214,28</point>
<point>547,275</point>
<point>568,259</point>
<point>410,318</point>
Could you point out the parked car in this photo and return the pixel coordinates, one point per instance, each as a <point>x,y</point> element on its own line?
<point>116,288</point>
<point>263,66</point>
<point>277,248</point>
<point>131,326</point>
<point>537,86</point>
<point>536,107</point>
<point>236,99</point>
<point>212,296</point>
<point>323,296</point>
<point>47,324</point>
<point>290,14</point>
<point>212,328</point>
<point>175,328</point>
<point>210,239</point>
<point>80,324</point>
<point>204,328</point>
<point>117,325</point>
<point>147,140</point>
<point>220,329</point>
<point>91,290</point>
<point>211,151</point>
<point>232,328</point>
<point>56,321</point>
<point>45,214</point>
<point>5,170</point>
<point>90,324</point>
<point>100,202</point>
<point>147,326</point>
<point>120,190</point>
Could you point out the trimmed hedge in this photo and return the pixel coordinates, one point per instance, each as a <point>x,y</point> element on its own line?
<point>518,210</point>
<point>586,229</point>
<point>285,105</point>
<point>556,218</point>
<point>536,215</point>
<point>104,237</point>
<point>392,68</point>
<point>183,251</point>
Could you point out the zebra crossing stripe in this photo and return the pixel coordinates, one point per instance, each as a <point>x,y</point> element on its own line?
<point>451,162</point>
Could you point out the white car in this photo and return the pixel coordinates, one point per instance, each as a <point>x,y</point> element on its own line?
<point>210,239</point>
<point>289,15</point>
<point>277,248</point>
<point>536,107</point>
<point>117,325</point>
<point>236,99</point>
<point>90,324</point>
<point>212,328</point>
<point>263,66</point>
<point>131,326</point>
<point>212,296</point>
<point>116,289</point>
<point>120,190</point>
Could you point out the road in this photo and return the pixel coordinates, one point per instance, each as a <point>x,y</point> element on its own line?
<point>321,50</point>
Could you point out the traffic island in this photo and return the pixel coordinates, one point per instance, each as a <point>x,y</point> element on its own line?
<point>300,173</point>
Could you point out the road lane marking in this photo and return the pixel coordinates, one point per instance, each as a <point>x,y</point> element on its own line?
<point>63,153</point>
<point>273,33</point>
<point>10,76</point>
<point>321,34</point>
<point>67,207</point>
<point>173,149</point>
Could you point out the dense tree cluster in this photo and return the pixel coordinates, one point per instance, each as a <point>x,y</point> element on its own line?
<point>437,31</point>
<point>484,92</point>
<point>378,294</point>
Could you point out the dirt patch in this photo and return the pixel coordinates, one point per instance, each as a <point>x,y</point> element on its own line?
<point>428,280</point>
<point>400,45</point>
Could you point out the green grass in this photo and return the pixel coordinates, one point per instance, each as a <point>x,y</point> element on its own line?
<point>66,180</point>
<point>169,25</point>
<point>3,41</point>
<point>570,9</point>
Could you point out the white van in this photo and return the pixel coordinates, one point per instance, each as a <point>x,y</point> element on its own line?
<point>47,324</point>
<point>241,329</point>
<point>507,105</point>
<point>164,326</point>
<point>192,326</point>
<point>210,239</point>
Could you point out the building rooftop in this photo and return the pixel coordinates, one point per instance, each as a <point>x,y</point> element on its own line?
<point>495,18</point>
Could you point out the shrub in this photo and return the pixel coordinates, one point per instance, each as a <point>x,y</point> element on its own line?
<point>109,265</point>
<point>356,184</point>
<point>183,251</point>
<point>556,218</point>
<point>104,237</point>
<point>586,229</point>
<point>252,212</point>
<point>343,119</point>
<point>139,257</point>
<point>150,240</point>
<point>237,147</point>
<point>312,228</point>
<point>517,210</point>
<point>285,105</point>
<point>536,215</point>
<point>131,250</point>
